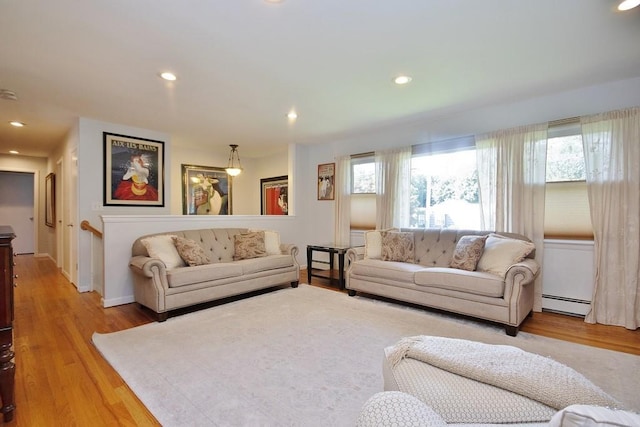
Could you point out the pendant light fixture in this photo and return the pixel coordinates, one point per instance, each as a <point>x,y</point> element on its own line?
<point>234,168</point>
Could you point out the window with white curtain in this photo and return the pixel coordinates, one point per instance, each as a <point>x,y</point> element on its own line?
<point>363,192</point>
<point>566,200</point>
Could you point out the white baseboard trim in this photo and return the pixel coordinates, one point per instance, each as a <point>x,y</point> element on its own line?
<point>112,302</point>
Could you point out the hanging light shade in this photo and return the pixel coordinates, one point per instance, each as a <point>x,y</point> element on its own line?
<point>234,168</point>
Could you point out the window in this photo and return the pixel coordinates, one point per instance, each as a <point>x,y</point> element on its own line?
<point>566,199</point>
<point>444,190</point>
<point>363,192</point>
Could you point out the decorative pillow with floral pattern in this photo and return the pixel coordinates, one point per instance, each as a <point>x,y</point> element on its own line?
<point>397,246</point>
<point>249,245</point>
<point>190,251</point>
<point>468,251</point>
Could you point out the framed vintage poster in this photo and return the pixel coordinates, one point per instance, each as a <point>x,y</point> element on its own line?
<point>50,200</point>
<point>326,180</point>
<point>133,171</point>
<point>206,190</point>
<point>274,195</point>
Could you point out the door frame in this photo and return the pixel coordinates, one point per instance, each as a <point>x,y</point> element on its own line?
<point>36,201</point>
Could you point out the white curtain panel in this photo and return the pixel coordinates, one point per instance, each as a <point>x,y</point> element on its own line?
<point>393,187</point>
<point>342,231</point>
<point>612,156</point>
<point>511,175</point>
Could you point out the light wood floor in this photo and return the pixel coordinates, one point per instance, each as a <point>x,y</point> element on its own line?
<point>61,380</point>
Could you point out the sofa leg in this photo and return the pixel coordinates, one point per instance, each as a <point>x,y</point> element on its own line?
<point>294,284</point>
<point>512,331</point>
<point>163,316</point>
<point>351,293</point>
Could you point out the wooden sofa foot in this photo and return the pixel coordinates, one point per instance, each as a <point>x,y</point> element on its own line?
<point>163,316</point>
<point>294,284</point>
<point>512,331</point>
<point>351,293</point>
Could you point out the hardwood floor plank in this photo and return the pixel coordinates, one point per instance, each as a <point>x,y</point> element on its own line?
<point>62,380</point>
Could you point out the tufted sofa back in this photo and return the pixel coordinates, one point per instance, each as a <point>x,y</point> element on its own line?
<point>434,247</point>
<point>217,243</point>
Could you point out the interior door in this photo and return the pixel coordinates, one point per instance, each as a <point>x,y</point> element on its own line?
<point>16,208</point>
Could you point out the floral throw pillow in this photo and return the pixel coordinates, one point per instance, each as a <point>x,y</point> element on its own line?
<point>191,252</point>
<point>249,245</point>
<point>397,246</point>
<point>468,252</point>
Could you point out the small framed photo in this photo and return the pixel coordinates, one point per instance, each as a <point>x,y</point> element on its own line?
<point>274,196</point>
<point>326,181</point>
<point>133,171</point>
<point>206,190</point>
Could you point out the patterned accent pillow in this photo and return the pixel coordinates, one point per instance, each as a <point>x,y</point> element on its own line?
<point>190,251</point>
<point>249,245</point>
<point>162,247</point>
<point>373,243</point>
<point>501,252</point>
<point>468,252</point>
<point>397,246</point>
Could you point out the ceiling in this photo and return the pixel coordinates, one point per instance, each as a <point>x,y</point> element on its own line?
<point>242,65</point>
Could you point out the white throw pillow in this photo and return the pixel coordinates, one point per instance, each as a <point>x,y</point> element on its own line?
<point>162,247</point>
<point>373,243</point>
<point>501,252</point>
<point>271,241</point>
<point>586,415</point>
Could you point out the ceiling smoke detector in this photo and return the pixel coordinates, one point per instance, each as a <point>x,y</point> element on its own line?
<point>8,95</point>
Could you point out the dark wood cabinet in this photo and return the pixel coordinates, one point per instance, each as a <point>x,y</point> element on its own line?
<point>7,367</point>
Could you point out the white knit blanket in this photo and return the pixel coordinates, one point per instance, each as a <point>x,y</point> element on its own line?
<point>510,368</point>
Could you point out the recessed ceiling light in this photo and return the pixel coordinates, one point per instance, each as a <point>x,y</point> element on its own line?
<point>402,80</point>
<point>168,76</point>
<point>292,115</point>
<point>17,124</point>
<point>274,1</point>
<point>628,4</point>
<point>14,152</point>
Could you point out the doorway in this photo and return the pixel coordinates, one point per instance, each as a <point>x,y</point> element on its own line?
<point>17,206</point>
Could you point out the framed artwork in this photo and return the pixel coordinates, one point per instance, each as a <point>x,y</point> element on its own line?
<point>326,180</point>
<point>206,190</point>
<point>50,200</point>
<point>133,171</point>
<point>274,195</point>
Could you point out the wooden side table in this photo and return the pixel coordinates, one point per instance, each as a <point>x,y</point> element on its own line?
<point>332,250</point>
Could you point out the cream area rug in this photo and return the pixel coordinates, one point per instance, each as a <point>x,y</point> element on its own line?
<point>305,357</point>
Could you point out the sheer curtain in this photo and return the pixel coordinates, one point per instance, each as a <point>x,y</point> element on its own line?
<point>393,187</point>
<point>612,156</point>
<point>511,175</point>
<point>342,227</point>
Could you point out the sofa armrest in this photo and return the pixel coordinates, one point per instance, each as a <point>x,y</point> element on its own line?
<point>355,254</point>
<point>143,265</point>
<point>523,272</point>
<point>289,249</point>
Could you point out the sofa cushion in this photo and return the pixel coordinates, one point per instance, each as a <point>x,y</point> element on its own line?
<point>397,246</point>
<point>468,252</point>
<point>249,245</point>
<point>203,273</point>
<point>271,262</point>
<point>190,251</point>
<point>473,282</point>
<point>163,248</point>
<point>373,243</point>
<point>398,271</point>
<point>502,252</point>
<point>588,415</point>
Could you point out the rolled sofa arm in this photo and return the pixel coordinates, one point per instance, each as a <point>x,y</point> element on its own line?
<point>289,249</point>
<point>523,272</point>
<point>355,254</point>
<point>143,265</point>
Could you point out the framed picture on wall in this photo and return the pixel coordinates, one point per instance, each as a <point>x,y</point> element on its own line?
<point>274,196</point>
<point>133,171</point>
<point>326,181</point>
<point>206,190</point>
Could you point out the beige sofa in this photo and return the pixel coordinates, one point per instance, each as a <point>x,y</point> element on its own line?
<point>164,281</point>
<point>502,293</point>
